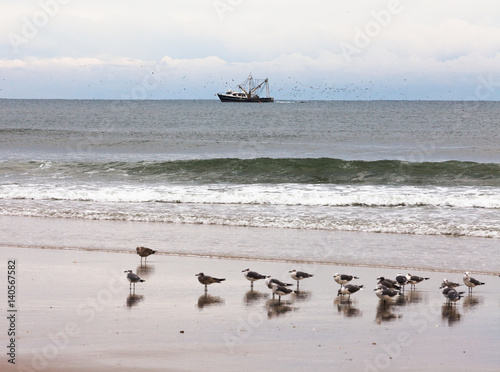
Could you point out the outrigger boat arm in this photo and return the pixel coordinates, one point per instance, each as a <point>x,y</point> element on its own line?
<point>250,90</point>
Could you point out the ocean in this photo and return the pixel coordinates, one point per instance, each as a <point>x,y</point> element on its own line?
<point>296,168</point>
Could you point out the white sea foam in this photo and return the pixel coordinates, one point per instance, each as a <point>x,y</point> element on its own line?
<point>282,194</point>
<point>368,209</point>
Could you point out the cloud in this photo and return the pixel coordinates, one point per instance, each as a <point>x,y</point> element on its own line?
<point>93,49</point>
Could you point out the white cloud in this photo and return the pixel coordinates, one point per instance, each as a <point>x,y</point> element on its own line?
<point>105,48</point>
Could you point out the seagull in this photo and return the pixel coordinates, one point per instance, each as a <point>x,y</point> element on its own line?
<point>281,291</point>
<point>144,252</point>
<point>385,293</point>
<point>343,278</point>
<point>401,280</point>
<point>349,289</point>
<point>206,280</point>
<point>447,283</point>
<point>452,295</point>
<point>299,275</point>
<point>270,282</point>
<point>389,283</point>
<point>446,290</point>
<point>471,282</point>
<point>414,279</point>
<point>133,278</point>
<point>252,276</point>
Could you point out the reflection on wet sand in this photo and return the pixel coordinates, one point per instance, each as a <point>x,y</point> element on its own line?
<point>252,297</point>
<point>450,313</point>
<point>347,307</point>
<point>385,314</point>
<point>134,299</point>
<point>208,300</point>
<point>276,309</point>
<point>145,271</point>
<point>302,295</point>
<point>409,297</point>
<point>470,302</point>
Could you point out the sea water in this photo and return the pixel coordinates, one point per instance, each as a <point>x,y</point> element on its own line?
<point>396,167</point>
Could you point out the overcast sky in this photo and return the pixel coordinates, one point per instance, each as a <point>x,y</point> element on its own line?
<point>315,49</point>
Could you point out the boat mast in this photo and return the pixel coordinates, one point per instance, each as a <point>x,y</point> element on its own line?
<point>250,85</point>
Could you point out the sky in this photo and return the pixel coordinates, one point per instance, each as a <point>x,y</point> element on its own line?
<point>192,49</point>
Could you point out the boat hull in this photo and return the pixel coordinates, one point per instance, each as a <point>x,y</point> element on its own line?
<point>229,98</point>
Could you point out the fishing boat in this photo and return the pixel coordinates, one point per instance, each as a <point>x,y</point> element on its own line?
<point>249,92</point>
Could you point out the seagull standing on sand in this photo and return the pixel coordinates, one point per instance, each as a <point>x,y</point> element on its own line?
<point>447,283</point>
<point>133,278</point>
<point>144,252</point>
<point>452,295</point>
<point>349,289</point>
<point>252,276</point>
<point>401,280</point>
<point>206,280</point>
<point>414,279</point>
<point>385,293</point>
<point>270,282</point>
<point>343,278</point>
<point>389,283</point>
<point>281,291</point>
<point>299,275</point>
<point>471,282</point>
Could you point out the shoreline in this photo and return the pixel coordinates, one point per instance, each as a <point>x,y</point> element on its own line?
<point>77,306</point>
<point>237,258</point>
<point>363,249</point>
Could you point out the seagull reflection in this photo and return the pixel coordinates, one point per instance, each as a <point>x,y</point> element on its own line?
<point>411,297</point>
<point>346,308</point>
<point>276,309</point>
<point>450,314</point>
<point>208,300</point>
<point>470,302</point>
<point>302,295</point>
<point>385,314</point>
<point>251,297</point>
<point>134,299</point>
<point>145,271</point>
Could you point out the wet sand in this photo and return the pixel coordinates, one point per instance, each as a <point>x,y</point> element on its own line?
<point>76,313</point>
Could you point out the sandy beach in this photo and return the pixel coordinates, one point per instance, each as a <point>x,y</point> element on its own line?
<point>76,313</point>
